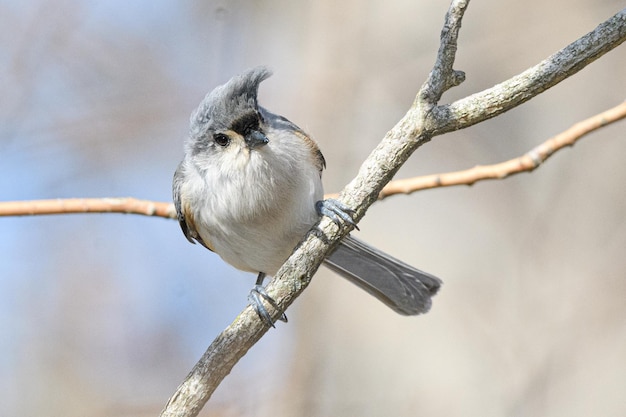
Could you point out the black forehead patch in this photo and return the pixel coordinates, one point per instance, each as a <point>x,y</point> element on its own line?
<point>245,122</point>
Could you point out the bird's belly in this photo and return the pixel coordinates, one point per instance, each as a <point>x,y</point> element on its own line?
<point>255,228</point>
<point>259,247</point>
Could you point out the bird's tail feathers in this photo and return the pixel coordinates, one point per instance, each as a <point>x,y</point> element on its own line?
<point>405,289</point>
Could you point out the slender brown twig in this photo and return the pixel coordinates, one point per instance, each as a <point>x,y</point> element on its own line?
<point>527,162</point>
<point>125,205</point>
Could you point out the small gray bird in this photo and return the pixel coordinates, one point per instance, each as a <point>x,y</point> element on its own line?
<point>249,188</point>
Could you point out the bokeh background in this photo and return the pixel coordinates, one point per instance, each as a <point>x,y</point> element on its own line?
<point>104,315</point>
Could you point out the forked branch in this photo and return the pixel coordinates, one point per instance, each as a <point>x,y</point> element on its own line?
<point>423,120</point>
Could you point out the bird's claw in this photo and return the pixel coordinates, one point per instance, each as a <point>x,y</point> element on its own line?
<point>256,297</point>
<point>336,211</point>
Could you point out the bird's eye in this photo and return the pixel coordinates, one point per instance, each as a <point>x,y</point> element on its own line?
<point>221,139</point>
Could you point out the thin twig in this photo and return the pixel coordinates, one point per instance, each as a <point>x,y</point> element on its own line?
<point>125,205</point>
<point>528,162</point>
<point>443,76</point>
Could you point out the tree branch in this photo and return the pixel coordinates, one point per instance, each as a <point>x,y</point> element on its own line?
<point>528,162</point>
<point>417,127</point>
<point>525,163</point>
<point>535,80</point>
<point>443,77</point>
<point>126,205</point>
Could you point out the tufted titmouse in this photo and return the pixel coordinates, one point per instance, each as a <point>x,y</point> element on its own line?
<point>249,188</point>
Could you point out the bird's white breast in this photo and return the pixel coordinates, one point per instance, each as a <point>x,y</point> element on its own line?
<point>257,206</point>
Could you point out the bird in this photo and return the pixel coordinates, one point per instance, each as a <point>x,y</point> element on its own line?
<point>249,188</point>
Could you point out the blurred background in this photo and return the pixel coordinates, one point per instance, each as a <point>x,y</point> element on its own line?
<point>105,314</point>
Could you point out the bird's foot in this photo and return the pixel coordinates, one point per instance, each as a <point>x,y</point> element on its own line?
<point>256,297</point>
<point>337,211</point>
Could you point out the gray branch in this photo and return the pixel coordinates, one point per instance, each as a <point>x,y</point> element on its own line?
<point>535,80</point>
<point>425,119</point>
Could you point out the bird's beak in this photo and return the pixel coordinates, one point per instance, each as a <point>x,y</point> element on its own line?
<point>256,138</point>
